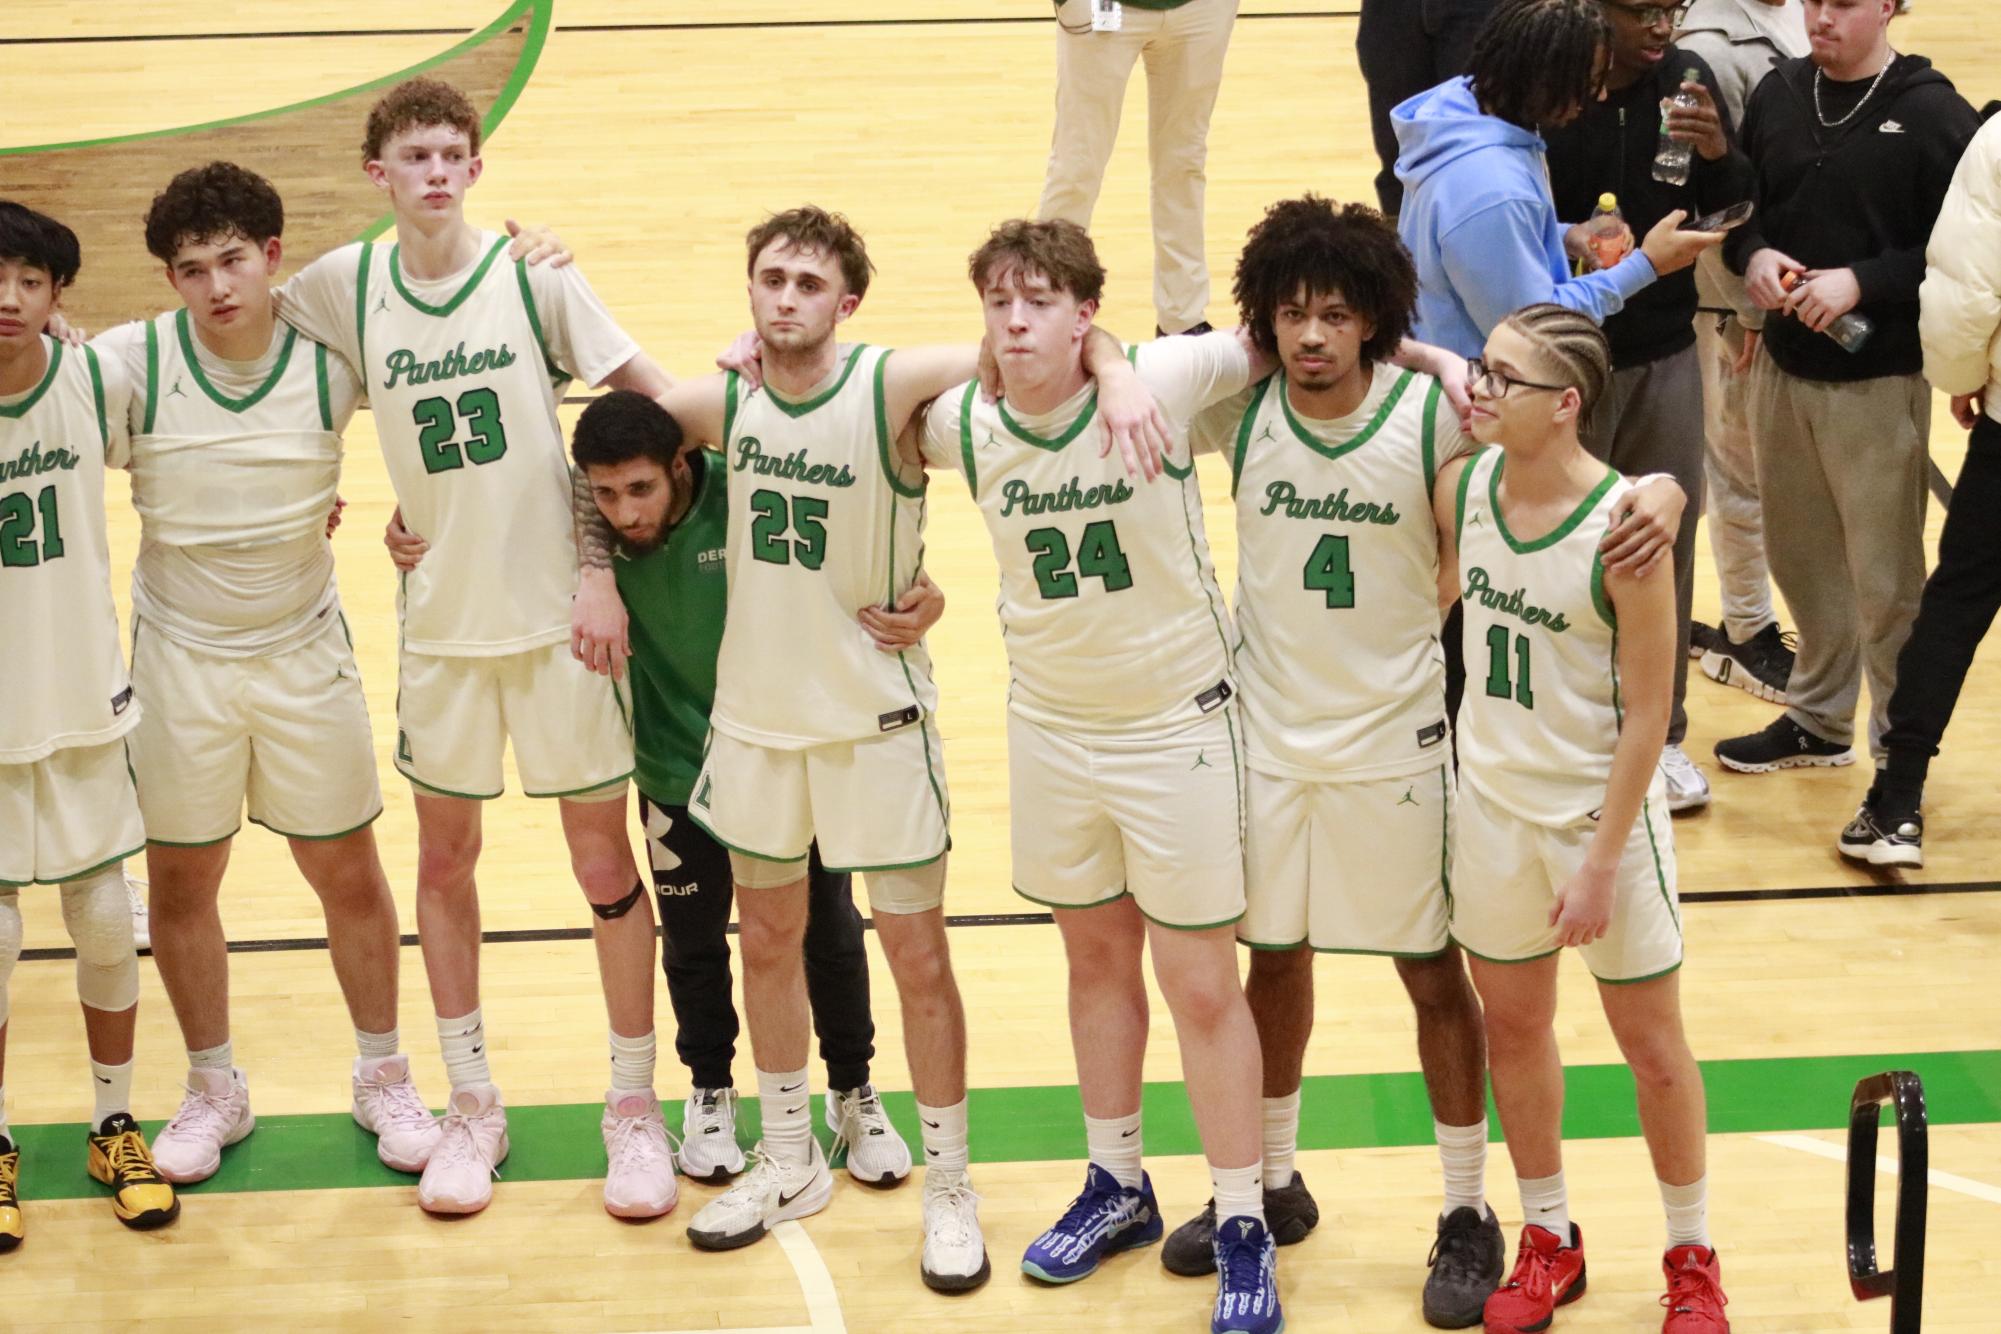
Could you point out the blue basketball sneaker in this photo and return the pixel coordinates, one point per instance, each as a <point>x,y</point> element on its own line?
<point>1246,1279</point>
<point>1106,1219</point>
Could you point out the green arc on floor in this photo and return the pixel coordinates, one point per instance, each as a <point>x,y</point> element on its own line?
<point>560,1142</point>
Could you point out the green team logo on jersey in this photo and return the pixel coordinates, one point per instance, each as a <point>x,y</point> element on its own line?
<point>33,462</point>
<point>796,466</point>
<point>1514,603</point>
<point>1072,495</point>
<point>455,364</point>
<point>1285,496</point>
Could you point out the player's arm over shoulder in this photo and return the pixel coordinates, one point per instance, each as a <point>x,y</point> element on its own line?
<point>700,407</point>
<point>933,434</point>
<point>322,300</point>
<point>914,376</point>
<point>580,335</point>
<point>1188,372</point>
<point>118,385</point>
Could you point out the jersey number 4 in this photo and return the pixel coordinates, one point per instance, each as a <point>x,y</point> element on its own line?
<point>1099,556</point>
<point>805,514</point>
<point>17,528</point>
<point>1497,666</point>
<point>1327,569</point>
<point>485,439</point>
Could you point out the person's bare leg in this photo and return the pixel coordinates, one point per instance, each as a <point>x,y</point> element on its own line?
<point>1220,1063</point>
<point>189,946</point>
<point>1280,994</point>
<point>1520,1004</point>
<point>1108,1006</point>
<point>448,843</point>
<point>1674,1113</point>
<point>362,934</point>
<point>1451,1036</point>
<point>771,937</point>
<point>601,858</point>
<point>934,1018</point>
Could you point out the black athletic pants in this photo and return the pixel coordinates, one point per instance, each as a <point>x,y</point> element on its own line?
<point>691,878</point>
<point>1958,606</point>
<point>1405,47</point>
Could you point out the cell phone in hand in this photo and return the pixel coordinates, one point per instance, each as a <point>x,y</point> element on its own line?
<point>1723,219</point>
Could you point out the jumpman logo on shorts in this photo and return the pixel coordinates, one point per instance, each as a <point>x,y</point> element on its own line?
<point>1408,799</point>
<point>1201,761</point>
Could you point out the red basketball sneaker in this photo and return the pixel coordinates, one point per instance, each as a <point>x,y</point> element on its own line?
<point>1548,1274</point>
<point>1694,1299</point>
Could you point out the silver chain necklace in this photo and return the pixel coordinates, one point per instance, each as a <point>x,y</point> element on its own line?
<point>1821,116</point>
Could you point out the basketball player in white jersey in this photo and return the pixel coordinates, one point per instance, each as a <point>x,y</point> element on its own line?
<point>242,653</point>
<point>815,732</point>
<point>1124,747</point>
<point>68,813</point>
<point>1562,837</point>
<point>463,355</point>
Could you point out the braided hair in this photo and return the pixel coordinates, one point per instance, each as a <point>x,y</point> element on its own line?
<point>1571,345</point>
<point>1536,61</point>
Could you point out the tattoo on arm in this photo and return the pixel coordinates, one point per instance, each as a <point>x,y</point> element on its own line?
<point>594,536</point>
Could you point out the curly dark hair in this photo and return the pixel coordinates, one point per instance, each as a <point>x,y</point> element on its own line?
<point>414,104</point>
<point>1324,247</point>
<point>624,425</point>
<point>810,227</point>
<point>209,203</point>
<point>29,237</point>
<point>1535,60</point>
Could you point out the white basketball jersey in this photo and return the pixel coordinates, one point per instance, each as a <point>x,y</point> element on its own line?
<point>819,528</point>
<point>65,673</point>
<point>1337,584</point>
<point>465,400</point>
<point>1541,714</point>
<point>1108,600</point>
<point>233,494</point>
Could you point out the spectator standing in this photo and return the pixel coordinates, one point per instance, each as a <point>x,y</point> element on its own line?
<point>1740,40</point>
<point>1959,323</point>
<point>1649,419</point>
<point>1405,47</point>
<point>1183,43</point>
<point>1854,148</point>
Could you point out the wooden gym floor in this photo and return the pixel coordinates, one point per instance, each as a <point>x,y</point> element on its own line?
<point>652,136</point>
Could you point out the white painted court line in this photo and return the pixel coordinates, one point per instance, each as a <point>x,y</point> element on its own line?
<point>816,1286</point>
<point>1979,1190</point>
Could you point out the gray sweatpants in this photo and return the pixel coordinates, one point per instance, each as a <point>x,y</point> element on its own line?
<point>1841,470</point>
<point>1736,519</point>
<point>1650,420</point>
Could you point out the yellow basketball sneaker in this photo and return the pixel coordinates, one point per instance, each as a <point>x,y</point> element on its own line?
<point>10,1202</point>
<point>119,1158</point>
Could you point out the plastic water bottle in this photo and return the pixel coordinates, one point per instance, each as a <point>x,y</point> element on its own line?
<point>1609,239</point>
<point>1851,331</point>
<point>1672,159</point>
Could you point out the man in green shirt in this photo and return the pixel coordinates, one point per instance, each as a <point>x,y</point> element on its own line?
<point>670,515</point>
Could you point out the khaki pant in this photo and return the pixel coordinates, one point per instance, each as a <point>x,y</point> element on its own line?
<point>1183,49</point>
<point>1736,518</point>
<point>1841,472</point>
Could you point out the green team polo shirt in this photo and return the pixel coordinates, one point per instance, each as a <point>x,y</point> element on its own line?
<point>675,598</point>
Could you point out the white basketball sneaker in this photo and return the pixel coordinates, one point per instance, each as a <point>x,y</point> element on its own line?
<point>386,1105</point>
<point>876,1154</point>
<point>709,1151</point>
<point>773,1192</point>
<point>955,1251</point>
<point>214,1115</point>
<point>639,1170</point>
<point>472,1143</point>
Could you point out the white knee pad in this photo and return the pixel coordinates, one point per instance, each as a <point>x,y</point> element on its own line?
<point>98,913</point>
<point>10,943</point>
<point>757,873</point>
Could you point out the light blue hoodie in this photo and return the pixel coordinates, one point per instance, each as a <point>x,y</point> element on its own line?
<point>1478,219</point>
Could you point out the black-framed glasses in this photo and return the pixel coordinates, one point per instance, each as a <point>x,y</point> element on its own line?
<point>1487,382</point>
<point>1648,16</point>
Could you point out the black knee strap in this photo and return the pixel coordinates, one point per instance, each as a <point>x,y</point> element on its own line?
<point>612,911</point>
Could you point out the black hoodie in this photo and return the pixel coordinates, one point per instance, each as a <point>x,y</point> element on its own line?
<point>1610,148</point>
<point>1861,195</point>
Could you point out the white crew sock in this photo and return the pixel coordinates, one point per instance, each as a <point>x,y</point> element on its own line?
<point>1687,1212</point>
<point>1239,1192</point>
<point>944,1132</point>
<point>632,1062</point>
<point>1546,1204</point>
<point>1462,1153</point>
<point>1281,1140</point>
<point>377,1046</point>
<point>463,1041</point>
<point>113,1087</point>
<point>785,1107</point>
<point>222,1056</point>
<point>1115,1145</point>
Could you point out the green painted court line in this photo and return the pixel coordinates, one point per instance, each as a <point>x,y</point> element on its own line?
<point>560,1142</point>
